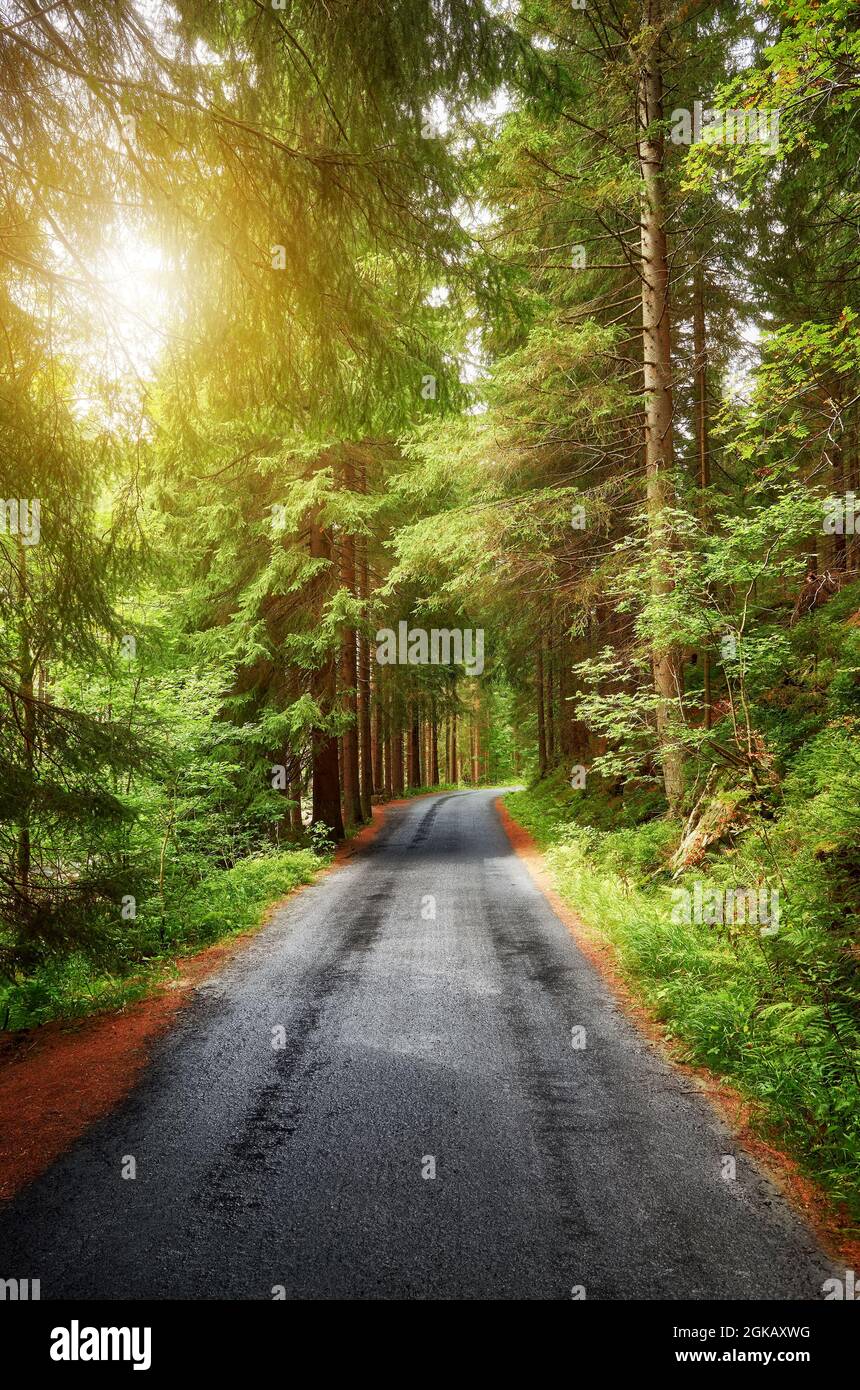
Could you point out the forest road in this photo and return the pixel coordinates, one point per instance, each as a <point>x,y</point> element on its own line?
<point>425,995</point>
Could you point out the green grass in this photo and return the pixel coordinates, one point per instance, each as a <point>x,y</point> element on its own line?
<point>222,905</point>
<point>776,1016</point>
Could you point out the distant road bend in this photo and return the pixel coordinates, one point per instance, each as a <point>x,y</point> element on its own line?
<point>414,1044</point>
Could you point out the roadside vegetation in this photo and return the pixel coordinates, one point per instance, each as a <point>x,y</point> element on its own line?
<point>130,963</point>
<point>768,1003</point>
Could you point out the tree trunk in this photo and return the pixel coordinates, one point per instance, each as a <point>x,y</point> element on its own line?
<point>364,732</point>
<point>385,747</point>
<point>541,726</point>
<point>563,706</point>
<point>455,772</point>
<point>657,382</point>
<point>434,745</point>
<point>853,477</point>
<point>700,353</point>
<point>324,760</point>
<point>378,739</point>
<point>837,466</point>
<point>366,746</point>
<point>550,704</point>
<point>296,823</point>
<point>414,751</point>
<point>28,722</point>
<point>397,761</point>
<point>349,685</point>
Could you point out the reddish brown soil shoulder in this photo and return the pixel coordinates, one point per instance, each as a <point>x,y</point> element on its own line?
<point>57,1080</point>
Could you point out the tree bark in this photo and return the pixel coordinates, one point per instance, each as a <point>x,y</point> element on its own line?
<point>700,353</point>
<point>349,688</point>
<point>28,722</point>
<point>541,727</point>
<point>454,770</point>
<point>413,747</point>
<point>378,740</point>
<point>852,477</point>
<point>366,746</point>
<point>396,745</point>
<point>550,704</point>
<point>325,801</point>
<point>385,745</point>
<point>296,824</point>
<point>395,741</point>
<point>657,382</point>
<point>434,745</point>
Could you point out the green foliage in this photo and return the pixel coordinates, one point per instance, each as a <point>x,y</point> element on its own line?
<point>220,905</point>
<point>778,1016</point>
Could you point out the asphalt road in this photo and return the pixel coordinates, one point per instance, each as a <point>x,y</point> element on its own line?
<point>410,1038</point>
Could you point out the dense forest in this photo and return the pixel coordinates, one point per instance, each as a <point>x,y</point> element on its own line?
<point>404,394</point>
